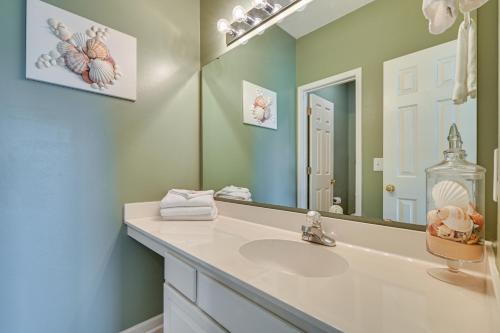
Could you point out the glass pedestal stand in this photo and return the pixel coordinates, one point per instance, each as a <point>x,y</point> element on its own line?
<point>455,276</point>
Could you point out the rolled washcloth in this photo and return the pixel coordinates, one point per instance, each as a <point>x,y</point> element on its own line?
<point>187,198</point>
<point>235,193</point>
<point>186,205</point>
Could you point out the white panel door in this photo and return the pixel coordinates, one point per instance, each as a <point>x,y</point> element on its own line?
<point>418,112</point>
<point>321,153</point>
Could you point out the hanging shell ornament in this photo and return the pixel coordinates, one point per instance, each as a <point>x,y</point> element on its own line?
<point>450,193</point>
<point>96,49</point>
<point>101,72</point>
<point>77,61</point>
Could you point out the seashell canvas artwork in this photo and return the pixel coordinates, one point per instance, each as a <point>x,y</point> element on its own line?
<point>70,50</point>
<point>259,106</point>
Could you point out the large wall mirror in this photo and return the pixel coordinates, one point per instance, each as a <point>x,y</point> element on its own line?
<point>338,108</point>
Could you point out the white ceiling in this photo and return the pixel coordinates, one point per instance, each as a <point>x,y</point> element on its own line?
<point>319,13</point>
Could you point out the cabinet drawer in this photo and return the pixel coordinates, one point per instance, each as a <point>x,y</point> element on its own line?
<point>181,316</point>
<point>236,313</point>
<point>181,276</point>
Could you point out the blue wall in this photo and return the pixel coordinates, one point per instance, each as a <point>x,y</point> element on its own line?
<point>70,159</point>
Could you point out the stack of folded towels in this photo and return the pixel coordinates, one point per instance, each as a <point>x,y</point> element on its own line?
<point>186,205</point>
<point>235,193</point>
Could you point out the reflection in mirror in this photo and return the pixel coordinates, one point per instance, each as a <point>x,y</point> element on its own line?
<point>339,108</point>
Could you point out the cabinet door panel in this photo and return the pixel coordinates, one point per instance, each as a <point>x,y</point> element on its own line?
<point>181,316</point>
<point>181,276</point>
<point>236,313</point>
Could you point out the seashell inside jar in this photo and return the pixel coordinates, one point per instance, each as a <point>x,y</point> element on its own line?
<point>454,228</point>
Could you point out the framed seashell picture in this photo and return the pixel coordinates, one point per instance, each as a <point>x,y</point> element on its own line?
<point>260,106</point>
<point>65,49</point>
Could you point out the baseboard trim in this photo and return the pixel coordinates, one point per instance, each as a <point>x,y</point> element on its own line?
<point>152,325</point>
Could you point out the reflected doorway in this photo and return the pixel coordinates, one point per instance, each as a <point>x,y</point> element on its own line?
<point>329,144</point>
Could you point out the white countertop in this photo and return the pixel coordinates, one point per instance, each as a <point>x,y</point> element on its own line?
<point>380,292</point>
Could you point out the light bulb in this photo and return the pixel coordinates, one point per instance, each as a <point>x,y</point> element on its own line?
<point>224,26</point>
<point>259,4</point>
<point>239,14</point>
<point>277,8</point>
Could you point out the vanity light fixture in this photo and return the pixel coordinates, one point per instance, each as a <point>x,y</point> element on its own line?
<point>265,5</point>
<point>240,15</point>
<point>263,14</point>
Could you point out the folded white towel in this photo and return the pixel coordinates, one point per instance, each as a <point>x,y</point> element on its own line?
<point>231,197</point>
<point>189,213</point>
<point>441,14</point>
<point>466,63</point>
<point>470,5</point>
<point>179,198</point>
<point>189,194</point>
<point>232,188</point>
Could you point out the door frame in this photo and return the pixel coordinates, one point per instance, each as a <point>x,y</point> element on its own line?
<point>303,131</point>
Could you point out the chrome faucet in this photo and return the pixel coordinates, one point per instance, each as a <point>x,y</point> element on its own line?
<point>313,230</point>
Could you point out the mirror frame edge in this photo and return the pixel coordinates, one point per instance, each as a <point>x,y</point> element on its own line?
<point>357,219</point>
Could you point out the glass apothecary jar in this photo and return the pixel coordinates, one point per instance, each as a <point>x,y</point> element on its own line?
<point>455,208</point>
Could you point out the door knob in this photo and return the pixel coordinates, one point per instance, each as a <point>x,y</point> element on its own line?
<point>333,182</point>
<point>390,188</point>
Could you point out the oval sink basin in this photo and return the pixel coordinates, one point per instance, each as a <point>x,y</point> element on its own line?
<point>296,258</point>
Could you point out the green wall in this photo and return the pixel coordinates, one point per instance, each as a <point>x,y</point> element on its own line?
<point>69,160</point>
<point>235,153</point>
<point>346,44</point>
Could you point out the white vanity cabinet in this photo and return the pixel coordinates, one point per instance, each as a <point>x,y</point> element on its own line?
<point>197,303</point>
<point>182,316</point>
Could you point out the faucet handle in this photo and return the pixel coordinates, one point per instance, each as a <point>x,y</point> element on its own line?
<point>314,218</point>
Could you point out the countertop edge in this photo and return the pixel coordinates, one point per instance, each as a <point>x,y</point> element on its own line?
<point>295,316</point>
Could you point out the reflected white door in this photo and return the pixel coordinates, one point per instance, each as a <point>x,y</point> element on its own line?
<point>418,112</point>
<point>321,153</point>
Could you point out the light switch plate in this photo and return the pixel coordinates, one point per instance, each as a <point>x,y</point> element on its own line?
<point>378,164</point>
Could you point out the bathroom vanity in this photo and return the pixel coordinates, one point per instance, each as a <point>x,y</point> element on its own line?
<point>249,271</point>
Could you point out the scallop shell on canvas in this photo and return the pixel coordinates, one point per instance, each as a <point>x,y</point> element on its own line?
<point>450,193</point>
<point>101,71</point>
<point>79,40</point>
<point>78,62</point>
<point>96,49</point>
<point>65,47</point>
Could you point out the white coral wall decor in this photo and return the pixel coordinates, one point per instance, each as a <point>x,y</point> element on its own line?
<point>260,106</point>
<point>69,50</point>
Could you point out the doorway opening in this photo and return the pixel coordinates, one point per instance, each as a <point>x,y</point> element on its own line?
<point>329,144</point>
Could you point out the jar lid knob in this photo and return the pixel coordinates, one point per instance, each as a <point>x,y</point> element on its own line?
<point>454,138</point>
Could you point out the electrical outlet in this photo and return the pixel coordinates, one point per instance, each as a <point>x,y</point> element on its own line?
<point>378,164</point>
